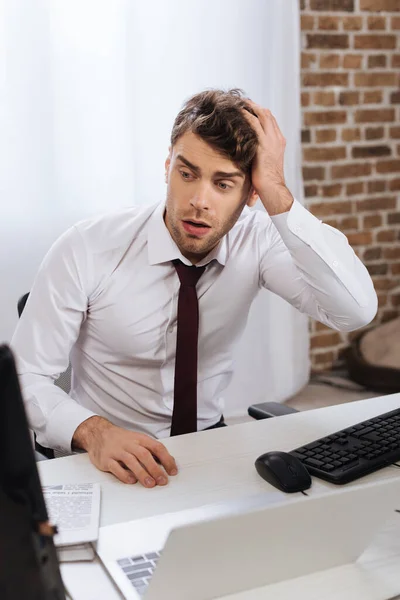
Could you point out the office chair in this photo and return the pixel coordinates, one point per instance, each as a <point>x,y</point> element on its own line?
<point>63,382</point>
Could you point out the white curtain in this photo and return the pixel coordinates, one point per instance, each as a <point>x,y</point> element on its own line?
<point>89,90</point>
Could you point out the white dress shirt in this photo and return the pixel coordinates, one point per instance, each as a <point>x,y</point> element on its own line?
<point>105,298</point>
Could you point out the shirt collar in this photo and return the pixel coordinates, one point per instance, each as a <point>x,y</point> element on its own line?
<point>162,248</point>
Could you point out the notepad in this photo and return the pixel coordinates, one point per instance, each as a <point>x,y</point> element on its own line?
<point>75,509</point>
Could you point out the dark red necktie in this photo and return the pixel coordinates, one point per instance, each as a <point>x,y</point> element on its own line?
<point>184,415</point>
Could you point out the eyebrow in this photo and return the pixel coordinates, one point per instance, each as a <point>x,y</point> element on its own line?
<point>197,170</point>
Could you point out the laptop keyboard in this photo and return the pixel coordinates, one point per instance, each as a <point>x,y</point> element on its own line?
<point>139,569</point>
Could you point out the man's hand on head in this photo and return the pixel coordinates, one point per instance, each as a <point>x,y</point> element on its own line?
<point>267,172</point>
<point>130,456</point>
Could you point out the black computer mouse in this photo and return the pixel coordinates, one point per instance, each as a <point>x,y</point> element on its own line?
<point>283,471</point>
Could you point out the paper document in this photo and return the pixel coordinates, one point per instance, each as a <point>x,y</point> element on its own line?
<point>75,509</point>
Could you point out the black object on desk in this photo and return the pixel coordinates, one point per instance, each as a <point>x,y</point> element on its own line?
<point>266,410</point>
<point>355,451</point>
<point>28,559</point>
<point>283,471</point>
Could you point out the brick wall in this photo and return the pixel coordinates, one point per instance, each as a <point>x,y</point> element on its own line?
<point>351,140</point>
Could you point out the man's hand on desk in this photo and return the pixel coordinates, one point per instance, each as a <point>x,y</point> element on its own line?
<point>126,454</point>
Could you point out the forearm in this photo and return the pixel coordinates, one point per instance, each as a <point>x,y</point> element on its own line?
<point>313,267</point>
<point>338,290</point>
<point>276,199</point>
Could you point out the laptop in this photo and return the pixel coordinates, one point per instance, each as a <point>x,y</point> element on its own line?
<point>28,560</point>
<point>216,550</point>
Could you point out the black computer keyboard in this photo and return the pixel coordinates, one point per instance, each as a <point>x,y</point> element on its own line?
<point>355,451</point>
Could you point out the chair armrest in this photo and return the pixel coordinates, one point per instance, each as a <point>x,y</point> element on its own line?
<point>265,410</point>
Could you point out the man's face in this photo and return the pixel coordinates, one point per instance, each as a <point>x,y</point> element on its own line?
<point>206,194</point>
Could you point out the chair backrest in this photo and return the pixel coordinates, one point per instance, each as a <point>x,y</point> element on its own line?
<point>21,303</point>
<point>63,382</point>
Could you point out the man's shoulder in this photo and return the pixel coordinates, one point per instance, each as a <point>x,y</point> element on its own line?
<point>116,228</point>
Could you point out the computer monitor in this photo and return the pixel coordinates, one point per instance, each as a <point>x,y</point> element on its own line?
<point>28,559</point>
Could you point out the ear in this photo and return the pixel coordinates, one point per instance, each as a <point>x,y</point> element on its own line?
<point>253,197</point>
<point>167,165</point>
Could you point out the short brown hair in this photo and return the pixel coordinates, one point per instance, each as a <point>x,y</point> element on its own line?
<point>216,117</point>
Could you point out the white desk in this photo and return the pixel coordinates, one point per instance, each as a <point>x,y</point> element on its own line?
<point>218,465</point>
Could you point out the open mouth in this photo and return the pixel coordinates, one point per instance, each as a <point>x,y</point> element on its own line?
<point>197,223</point>
<point>196,227</point>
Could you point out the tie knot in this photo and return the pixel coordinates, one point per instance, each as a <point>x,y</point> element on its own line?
<point>188,276</point>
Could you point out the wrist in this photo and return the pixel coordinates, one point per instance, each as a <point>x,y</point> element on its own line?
<point>276,199</point>
<point>89,432</point>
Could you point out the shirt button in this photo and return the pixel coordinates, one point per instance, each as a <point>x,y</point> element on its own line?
<point>171,329</point>
<point>298,230</point>
<point>335,263</point>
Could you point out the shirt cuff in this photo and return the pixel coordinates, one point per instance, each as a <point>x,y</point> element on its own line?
<point>63,422</point>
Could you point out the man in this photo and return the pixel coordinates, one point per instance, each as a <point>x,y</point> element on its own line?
<point>148,303</point>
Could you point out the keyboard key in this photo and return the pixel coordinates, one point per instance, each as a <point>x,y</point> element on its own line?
<point>129,569</point>
<point>299,455</point>
<point>138,583</point>
<point>351,465</point>
<point>312,445</point>
<point>123,562</point>
<point>138,575</point>
<point>136,559</point>
<point>366,430</point>
<point>313,462</point>
<point>139,566</point>
<point>374,437</point>
<point>152,555</point>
